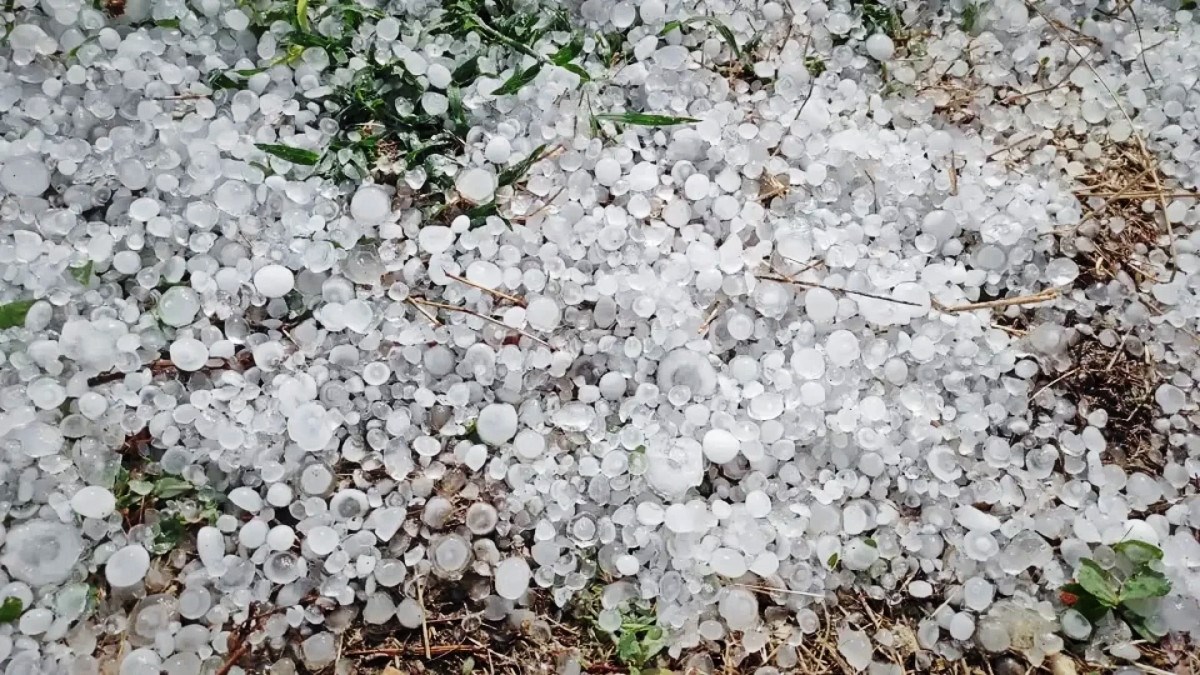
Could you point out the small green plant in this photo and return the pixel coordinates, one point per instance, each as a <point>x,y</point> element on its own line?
<point>10,609</point>
<point>639,639</point>
<point>970,17</point>
<point>83,273</point>
<point>1130,590</point>
<point>880,18</point>
<point>815,65</point>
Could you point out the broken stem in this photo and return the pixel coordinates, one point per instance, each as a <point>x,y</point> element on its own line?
<point>471,312</point>
<point>1043,296</point>
<point>499,294</point>
<point>833,289</point>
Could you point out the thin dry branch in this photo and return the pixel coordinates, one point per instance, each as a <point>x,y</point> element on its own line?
<point>499,294</point>
<point>471,312</point>
<point>834,289</point>
<point>1043,296</point>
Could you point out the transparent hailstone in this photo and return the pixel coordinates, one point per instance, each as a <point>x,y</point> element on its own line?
<point>284,567</point>
<point>855,647</point>
<point>683,367</point>
<point>41,552</point>
<point>481,518</point>
<point>672,469</point>
<point>127,567</point>
<point>178,306</point>
<point>450,555</point>
<point>738,607</point>
<point>188,354</point>
<point>24,176</point>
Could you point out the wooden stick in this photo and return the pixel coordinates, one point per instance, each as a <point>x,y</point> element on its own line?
<point>433,650</point>
<point>499,294</point>
<point>432,319</point>
<point>471,312</point>
<point>712,316</point>
<point>1043,296</point>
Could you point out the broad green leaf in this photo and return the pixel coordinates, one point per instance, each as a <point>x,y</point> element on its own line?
<point>645,119</point>
<point>83,273</point>
<point>519,79</point>
<point>832,563</point>
<point>293,155</point>
<point>578,70</point>
<point>13,314</point>
<point>141,487</point>
<point>1138,551</point>
<point>10,609</point>
<point>1098,582</point>
<point>1146,583</point>
<point>170,486</point>
<point>466,71</point>
<point>1085,603</point>
<point>302,15</point>
<point>568,52</point>
<point>517,171</point>
<point>1140,626</point>
<point>167,23</point>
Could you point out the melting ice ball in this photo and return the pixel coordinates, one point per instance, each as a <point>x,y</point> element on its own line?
<point>41,552</point>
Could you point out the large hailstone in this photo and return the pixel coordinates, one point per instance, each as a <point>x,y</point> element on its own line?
<point>686,368</point>
<point>672,470</point>
<point>41,552</point>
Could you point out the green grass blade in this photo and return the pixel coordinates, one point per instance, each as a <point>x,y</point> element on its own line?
<point>645,119</point>
<point>517,171</point>
<point>287,152</point>
<point>519,79</point>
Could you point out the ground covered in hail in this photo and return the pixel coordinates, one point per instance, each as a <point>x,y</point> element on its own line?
<point>713,336</point>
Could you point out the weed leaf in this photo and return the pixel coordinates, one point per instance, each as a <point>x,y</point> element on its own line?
<point>287,152</point>
<point>10,609</point>
<point>1138,551</point>
<point>644,119</point>
<point>1098,582</point>
<point>517,171</point>
<point>13,313</point>
<point>518,80</point>
<point>1146,583</point>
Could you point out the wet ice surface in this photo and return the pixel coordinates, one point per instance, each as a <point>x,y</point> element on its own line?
<point>681,362</point>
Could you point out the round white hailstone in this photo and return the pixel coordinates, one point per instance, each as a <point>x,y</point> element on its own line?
<point>178,306</point>
<point>322,539</point>
<point>309,428</point>
<point>758,504</point>
<point>1074,625</point>
<point>127,566</point>
<point>880,47</point>
<point>143,209</point>
<point>435,238</point>
<point>485,273</point>
<point>497,423</point>
<point>253,534</point>
<point>739,608</point>
<point>210,546</point>
<point>274,281</point>
<point>41,552</point>
<point>920,589</point>
<point>696,186</point>
<point>370,204</point>
<point>1170,398</point>
<point>728,562</point>
<point>498,150</point>
<point>543,314</point>
<point>281,538</point>
<point>529,444</point>
<point>720,446</point>
<point>476,185</point>
<point>93,501</point>
<point>379,609</point>
<point>512,578</point>
<point>188,354</point>
<point>450,555</point>
<point>821,305</point>
<point>1139,530</point>
<point>608,171</point>
<point>246,499</point>
<point>25,176</point>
